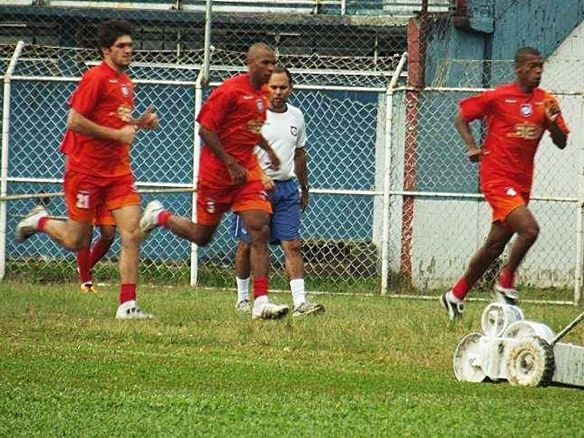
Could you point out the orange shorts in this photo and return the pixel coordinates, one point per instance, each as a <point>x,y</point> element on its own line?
<point>103,216</point>
<point>504,197</point>
<point>213,202</point>
<point>90,198</point>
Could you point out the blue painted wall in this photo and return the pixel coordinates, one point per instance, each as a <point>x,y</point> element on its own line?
<point>341,155</point>
<point>495,29</point>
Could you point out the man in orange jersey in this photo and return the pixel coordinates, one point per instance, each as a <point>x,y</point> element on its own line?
<point>100,133</point>
<point>517,115</point>
<point>229,174</point>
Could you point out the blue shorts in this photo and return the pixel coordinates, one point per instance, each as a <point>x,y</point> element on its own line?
<point>285,221</point>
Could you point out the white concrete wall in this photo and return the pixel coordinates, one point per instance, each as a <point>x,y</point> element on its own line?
<point>447,232</point>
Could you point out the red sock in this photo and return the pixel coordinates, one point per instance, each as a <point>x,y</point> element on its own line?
<point>127,292</point>
<point>42,223</point>
<point>461,288</point>
<point>163,217</point>
<point>100,249</point>
<point>83,265</point>
<point>507,279</point>
<point>260,287</point>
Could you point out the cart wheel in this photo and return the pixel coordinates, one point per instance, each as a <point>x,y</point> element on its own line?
<point>467,362</point>
<point>531,362</point>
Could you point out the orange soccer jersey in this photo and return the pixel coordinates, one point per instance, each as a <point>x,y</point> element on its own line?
<point>515,124</point>
<point>105,97</point>
<point>236,111</point>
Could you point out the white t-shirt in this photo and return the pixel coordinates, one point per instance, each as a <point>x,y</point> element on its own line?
<point>285,132</point>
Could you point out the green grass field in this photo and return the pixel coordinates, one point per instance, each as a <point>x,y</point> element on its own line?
<point>371,366</point>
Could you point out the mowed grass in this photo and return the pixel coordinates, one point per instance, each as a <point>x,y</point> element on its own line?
<point>371,366</point>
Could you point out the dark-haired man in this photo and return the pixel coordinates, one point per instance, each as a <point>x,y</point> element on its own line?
<point>100,133</point>
<point>517,115</point>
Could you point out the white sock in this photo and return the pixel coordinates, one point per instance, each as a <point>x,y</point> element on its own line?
<point>452,298</point>
<point>298,292</point>
<point>242,289</point>
<point>261,300</point>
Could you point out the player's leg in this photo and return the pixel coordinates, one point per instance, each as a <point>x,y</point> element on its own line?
<point>212,203</point>
<point>127,220</point>
<point>81,196</point>
<point>251,202</point>
<point>83,265</point>
<point>498,237</point>
<point>504,198</point>
<point>88,256</point>
<point>124,203</point>
<point>285,228</point>
<point>242,264</point>
<point>521,221</point>
<point>107,234</point>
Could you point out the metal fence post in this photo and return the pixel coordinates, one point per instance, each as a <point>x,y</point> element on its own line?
<point>387,173</point>
<point>196,155</point>
<point>578,272</point>
<point>4,158</point>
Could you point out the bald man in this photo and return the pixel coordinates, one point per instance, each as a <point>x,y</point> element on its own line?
<point>229,174</point>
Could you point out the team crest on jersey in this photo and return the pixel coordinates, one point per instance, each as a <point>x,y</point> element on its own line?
<point>125,90</point>
<point>510,191</point>
<point>294,130</point>
<point>260,105</point>
<point>264,195</point>
<point>526,110</point>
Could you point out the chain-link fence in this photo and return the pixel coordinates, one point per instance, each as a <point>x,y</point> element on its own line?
<point>345,115</point>
<point>439,218</point>
<point>395,204</point>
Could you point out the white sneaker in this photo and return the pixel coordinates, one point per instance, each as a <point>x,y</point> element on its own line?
<point>130,310</point>
<point>29,225</point>
<point>505,295</point>
<point>307,308</point>
<point>149,219</point>
<point>243,306</point>
<point>269,311</point>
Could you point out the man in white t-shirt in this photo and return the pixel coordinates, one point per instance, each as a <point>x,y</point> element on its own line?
<point>285,131</point>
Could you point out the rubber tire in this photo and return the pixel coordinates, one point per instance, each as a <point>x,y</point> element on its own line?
<point>531,362</point>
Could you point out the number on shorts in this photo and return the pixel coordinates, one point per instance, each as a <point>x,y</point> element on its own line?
<point>82,200</point>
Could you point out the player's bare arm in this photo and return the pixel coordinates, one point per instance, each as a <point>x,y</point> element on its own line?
<point>238,173</point>
<point>83,125</point>
<point>274,160</point>
<point>552,112</point>
<point>473,151</point>
<point>267,182</point>
<point>301,171</point>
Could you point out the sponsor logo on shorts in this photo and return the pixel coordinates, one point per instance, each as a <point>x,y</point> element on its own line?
<point>510,191</point>
<point>526,110</point>
<point>210,206</point>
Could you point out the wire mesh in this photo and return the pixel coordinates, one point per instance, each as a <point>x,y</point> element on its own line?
<point>444,224</point>
<point>341,244</point>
